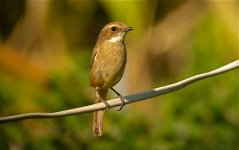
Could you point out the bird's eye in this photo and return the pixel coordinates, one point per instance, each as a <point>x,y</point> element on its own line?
<point>113,29</point>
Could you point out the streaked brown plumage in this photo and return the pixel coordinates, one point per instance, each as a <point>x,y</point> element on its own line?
<point>107,66</point>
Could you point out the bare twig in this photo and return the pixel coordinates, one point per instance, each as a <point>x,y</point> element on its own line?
<point>128,99</point>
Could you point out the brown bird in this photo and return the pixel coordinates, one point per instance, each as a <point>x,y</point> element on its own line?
<point>107,67</point>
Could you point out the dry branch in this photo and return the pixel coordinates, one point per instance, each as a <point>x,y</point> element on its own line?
<point>128,99</point>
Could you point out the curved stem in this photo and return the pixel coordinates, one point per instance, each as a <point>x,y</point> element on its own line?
<point>128,99</point>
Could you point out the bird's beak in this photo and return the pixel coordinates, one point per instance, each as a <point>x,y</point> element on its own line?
<point>128,29</point>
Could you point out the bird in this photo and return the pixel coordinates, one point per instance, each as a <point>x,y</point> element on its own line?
<point>108,63</point>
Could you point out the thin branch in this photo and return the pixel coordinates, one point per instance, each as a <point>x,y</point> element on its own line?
<point>128,99</point>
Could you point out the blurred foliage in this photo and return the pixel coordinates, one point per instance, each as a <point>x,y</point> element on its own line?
<point>45,50</point>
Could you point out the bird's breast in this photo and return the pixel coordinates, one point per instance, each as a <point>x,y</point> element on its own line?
<point>109,64</point>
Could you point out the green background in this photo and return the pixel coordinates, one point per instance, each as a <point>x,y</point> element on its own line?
<point>45,50</point>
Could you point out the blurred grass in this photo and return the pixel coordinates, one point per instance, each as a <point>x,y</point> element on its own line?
<point>44,67</point>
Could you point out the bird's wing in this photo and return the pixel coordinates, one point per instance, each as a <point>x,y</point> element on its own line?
<point>93,57</point>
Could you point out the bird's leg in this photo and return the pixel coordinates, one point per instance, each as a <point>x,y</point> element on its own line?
<point>121,98</point>
<point>99,97</point>
<point>106,104</point>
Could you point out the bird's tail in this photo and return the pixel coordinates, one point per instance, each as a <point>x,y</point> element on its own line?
<point>98,115</point>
